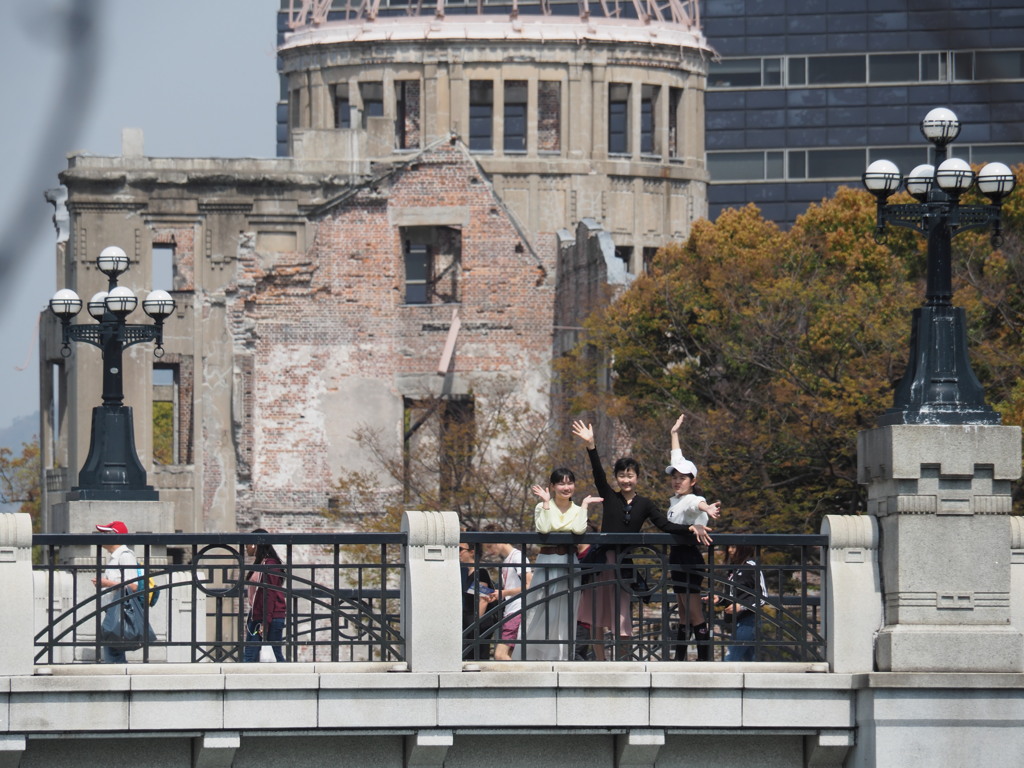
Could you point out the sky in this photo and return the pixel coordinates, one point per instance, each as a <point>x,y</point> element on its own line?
<point>197,76</point>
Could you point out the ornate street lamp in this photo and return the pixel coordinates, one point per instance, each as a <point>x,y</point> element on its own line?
<point>112,470</point>
<point>939,386</point>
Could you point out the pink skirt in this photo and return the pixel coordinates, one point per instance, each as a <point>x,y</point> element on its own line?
<point>604,604</point>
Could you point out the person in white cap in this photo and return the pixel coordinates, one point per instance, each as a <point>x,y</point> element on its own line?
<point>688,566</point>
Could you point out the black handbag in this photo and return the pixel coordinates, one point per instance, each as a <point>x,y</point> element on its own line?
<point>124,624</point>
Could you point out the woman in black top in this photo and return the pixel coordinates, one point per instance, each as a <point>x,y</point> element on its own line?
<point>625,511</point>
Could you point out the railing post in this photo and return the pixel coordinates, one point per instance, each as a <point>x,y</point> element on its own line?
<point>16,639</point>
<point>853,593</point>
<point>431,592</point>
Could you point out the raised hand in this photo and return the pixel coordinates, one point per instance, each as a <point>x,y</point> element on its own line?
<point>714,510</point>
<point>584,432</point>
<point>679,422</point>
<point>542,493</point>
<point>591,500</point>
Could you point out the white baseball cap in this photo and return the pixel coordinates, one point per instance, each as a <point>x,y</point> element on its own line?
<point>683,467</point>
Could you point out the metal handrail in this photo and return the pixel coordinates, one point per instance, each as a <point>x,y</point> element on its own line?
<point>788,623</point>
<point>343,600</point>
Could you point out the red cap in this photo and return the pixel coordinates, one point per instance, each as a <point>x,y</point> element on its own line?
<point>115,527</point>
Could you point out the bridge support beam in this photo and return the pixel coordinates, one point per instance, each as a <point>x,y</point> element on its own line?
<point>215,750</point>
<point>428,749</point>
<point>639,748</point>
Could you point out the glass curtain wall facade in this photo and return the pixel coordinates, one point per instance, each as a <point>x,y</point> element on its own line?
<point>808,92</point>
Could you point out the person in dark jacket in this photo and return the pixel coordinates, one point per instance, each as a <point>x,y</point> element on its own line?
<point>265,601</point>
<point>746,594</point>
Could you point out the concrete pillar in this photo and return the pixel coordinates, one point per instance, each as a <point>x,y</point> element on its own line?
<point>432,592</point>
<point>16,640</point>
<point>427,748</point>
<point>853,605</point>
<point>215,750</point>
<point>828,749</point>
<point>639,748</point>
<point>941,494</point>
<point>12,747</point>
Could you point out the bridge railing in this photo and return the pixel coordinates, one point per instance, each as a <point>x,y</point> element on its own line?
<point>341,591</point>
<point>347,596</point>
<point>633,575</point>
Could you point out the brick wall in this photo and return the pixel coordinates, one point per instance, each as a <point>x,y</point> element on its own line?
<point>319,320</point>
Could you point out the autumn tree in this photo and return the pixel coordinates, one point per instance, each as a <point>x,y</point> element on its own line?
<point>19,480</point>
<point>783,345</point>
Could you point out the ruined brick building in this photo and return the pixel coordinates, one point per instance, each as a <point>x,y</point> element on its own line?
<point>468,165</point>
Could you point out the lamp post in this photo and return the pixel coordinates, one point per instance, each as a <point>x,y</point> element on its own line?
<point>112,470</point>
<point>939,386</point>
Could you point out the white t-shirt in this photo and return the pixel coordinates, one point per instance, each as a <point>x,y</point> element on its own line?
<point>510,578</point>
<point>120,556</point>
<point>684,510</point>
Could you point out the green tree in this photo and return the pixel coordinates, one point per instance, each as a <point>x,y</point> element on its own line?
<point>783,345</point>
<point>19,480</point>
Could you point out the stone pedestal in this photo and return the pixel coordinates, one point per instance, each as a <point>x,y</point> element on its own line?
<point>140,516</point>
<point>941,495</point>
<point>15,598</point>
<point>431,595</point>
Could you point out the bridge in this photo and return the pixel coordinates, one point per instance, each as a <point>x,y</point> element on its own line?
<point>414,699</point>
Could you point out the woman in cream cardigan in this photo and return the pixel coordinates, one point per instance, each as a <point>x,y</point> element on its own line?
<point>554,593</point>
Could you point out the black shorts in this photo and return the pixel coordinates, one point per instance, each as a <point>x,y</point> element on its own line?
<point>688,569</point>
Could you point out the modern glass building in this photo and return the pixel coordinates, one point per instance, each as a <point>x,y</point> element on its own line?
<point>808,92</point>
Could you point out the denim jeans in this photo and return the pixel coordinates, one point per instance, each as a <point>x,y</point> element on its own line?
<point>113,655</point>
<point>253,641</point>
<point>742,648</point>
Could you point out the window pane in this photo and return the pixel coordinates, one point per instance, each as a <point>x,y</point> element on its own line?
<point>835,163</point>
<point>647,119</point>
<point>933,69</point>
<point>998,65</point>
<point>963,66</point>
<point>515,116</point>
<point>831,70</point>
<point>774,168</point>
<point>894,67</point>
<point>736,166</point>
<point>618,101</point>
<point>735,73</point>
<point>481,115</point>
<point>373,99</point>
<point>163,267</point>
<point>798,164</point>
<point>798,71</point>
<point>772,72</point>
<point>997,153</point>
<point>906,158</point>
<point>342,111</point>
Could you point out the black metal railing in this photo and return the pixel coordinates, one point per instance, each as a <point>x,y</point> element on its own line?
<point>343,597</point>
<point>632,578</point>
<point>341,591</point>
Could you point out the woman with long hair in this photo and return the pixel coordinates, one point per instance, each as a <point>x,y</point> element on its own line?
<point>265,599</point>
<point>554,592</point>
